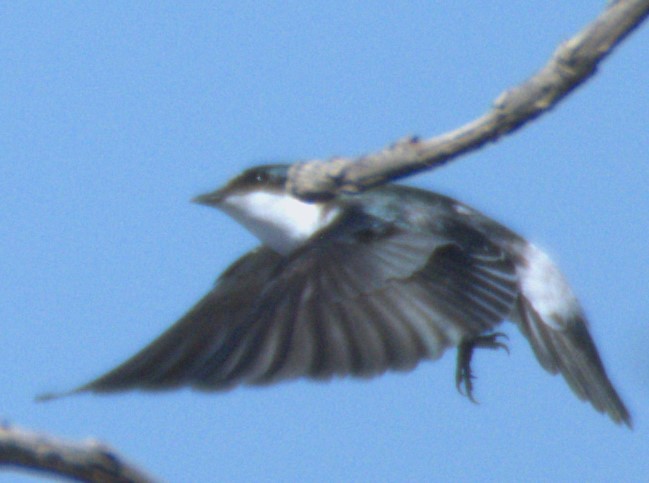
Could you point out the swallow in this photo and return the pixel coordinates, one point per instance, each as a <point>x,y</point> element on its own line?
<point>361,284</point>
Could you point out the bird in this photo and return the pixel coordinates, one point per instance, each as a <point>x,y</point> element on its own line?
<point>361,284</point>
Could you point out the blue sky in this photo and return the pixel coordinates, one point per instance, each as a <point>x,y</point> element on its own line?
<point>113,115</point>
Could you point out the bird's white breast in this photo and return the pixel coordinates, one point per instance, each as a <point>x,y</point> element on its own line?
<point>279,220</point>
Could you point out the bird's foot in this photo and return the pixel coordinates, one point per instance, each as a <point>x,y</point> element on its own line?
<point>463,374</point>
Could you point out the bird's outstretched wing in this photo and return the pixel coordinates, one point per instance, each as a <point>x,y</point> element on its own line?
<point>562,344</point>
<point>359,300</point>
<point>171,359</point>
<point>551,318</point>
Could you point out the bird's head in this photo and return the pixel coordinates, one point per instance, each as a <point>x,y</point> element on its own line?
<point>259,200</point>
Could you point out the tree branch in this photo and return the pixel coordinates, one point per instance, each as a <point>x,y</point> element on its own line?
<point>90,461</point>
<point>571,65</point>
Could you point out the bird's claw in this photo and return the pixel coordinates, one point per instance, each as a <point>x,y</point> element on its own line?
<point>463,374</point>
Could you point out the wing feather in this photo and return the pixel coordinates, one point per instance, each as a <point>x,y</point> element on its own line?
<point>565,346</point>
<point>178,355</point>
<point>370,299</point>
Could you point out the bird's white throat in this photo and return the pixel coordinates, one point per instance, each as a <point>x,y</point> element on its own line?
<point>279,220</point>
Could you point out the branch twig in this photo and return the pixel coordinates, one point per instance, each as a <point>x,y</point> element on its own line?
<point>572,64</point>
<point>90,461</point>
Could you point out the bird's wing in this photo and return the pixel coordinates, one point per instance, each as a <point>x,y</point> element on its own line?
<point>564,345</point>
<point>367,299</point>
<point>551,318</point>
<point>172,358</point>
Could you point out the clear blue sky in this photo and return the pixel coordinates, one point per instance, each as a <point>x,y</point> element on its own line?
<point>113,115</point>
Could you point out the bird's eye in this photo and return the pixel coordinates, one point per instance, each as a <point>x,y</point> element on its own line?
<point>261,177</point>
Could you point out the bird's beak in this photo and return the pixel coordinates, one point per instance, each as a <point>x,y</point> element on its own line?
<point>209,199</point>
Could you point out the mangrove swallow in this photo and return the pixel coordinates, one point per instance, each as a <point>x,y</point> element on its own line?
<point>362,284</point>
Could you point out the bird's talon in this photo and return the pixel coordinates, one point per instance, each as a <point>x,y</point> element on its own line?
<point>464,376</point>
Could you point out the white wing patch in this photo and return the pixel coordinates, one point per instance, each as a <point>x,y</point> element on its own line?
<point>546,289</point>
<point>281,221</point>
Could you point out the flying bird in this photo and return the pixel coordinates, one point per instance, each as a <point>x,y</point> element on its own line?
<point>363,284</point>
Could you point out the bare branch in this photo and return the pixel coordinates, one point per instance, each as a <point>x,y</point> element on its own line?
<point>90,461</point>
<point>570,65</point>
